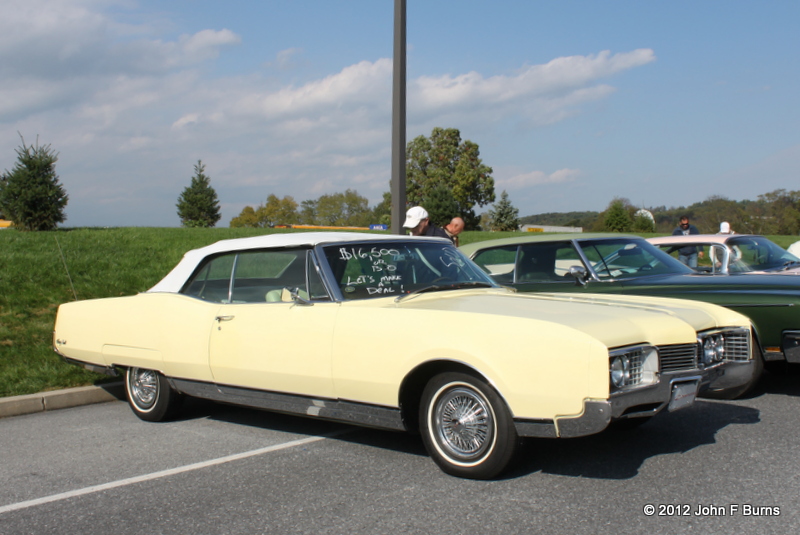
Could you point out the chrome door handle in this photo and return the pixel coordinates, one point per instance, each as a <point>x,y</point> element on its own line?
<point>220,319</point>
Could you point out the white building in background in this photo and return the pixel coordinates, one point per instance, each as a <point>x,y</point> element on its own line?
<point>549,228</point>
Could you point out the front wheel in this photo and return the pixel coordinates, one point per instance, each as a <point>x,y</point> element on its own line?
<point>149,395</point>
<point>466,426</point>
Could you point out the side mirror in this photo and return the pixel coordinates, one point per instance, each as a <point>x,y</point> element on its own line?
<point>579,274</point>
<point>295,295</point>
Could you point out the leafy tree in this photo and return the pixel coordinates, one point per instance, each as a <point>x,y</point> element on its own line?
<point>617,217</point>
<point>348,209</point>
<point>504,216</point>
<point>780,208</point>
<point>717,209</point>
<point>248,217</point>
<point>198,205</point>
<point>31,195</point>
<point>274,213</point>
<point>443,160</point>
<point>382,213</point>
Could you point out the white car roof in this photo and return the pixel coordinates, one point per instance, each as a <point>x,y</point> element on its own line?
<point>692,238</point>
<point>176,278</point>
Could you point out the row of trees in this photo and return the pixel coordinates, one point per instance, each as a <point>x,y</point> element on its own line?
<point>348,209</point>
<point>776,212</point>
<point>444,174</point>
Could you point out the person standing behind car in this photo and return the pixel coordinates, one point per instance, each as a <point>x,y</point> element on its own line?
<point>418,224</point>
<point>454,228</point>
<point>689,254</point>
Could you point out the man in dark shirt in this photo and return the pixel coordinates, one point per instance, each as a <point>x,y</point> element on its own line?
<point>454,228</point>
<point>688,255</point>
<point>418,224</point>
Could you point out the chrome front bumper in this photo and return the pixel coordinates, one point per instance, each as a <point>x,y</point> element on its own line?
<point>598,414</point>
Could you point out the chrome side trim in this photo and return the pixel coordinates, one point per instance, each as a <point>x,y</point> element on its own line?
<point>106,370</point>
<point>328,409</point>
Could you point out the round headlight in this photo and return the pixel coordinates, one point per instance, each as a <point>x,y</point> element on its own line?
<point>620,371</point>
<point>720,355</point>
<point>713,349</point>
<point>708,350</point>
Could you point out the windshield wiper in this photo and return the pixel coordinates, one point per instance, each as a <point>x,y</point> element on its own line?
<point>440,287</point>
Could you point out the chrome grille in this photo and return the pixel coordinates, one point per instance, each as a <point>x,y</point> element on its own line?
<point>678,357</point>
<point>635,362</point>
<point>737,346</point>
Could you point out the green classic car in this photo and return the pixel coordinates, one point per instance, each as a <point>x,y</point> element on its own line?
<point>614,263</point>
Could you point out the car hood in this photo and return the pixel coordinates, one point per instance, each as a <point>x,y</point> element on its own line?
<point>615,320</point>
<point>757,283</point>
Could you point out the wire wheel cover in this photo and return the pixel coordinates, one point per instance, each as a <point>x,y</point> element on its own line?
<point>463,423</point>
<point>143,387</point>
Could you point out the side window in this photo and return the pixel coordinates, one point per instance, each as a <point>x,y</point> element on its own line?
<point>251,277</point>
<point>260,276</point>
<point>212,281</point>
<point>542,262</point>
<point>498,262</point>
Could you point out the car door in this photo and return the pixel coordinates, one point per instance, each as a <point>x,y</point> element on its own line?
<point>262,338</point>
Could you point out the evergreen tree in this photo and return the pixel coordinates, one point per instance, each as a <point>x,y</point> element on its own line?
<point>31,195</point>
<point>642,223</point>
<point>617,217</point>
<point>441,206</point>
<point>504,216</point>
<point>198,205</point>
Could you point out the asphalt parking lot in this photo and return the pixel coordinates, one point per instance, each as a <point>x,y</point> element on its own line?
<point>714,467</point>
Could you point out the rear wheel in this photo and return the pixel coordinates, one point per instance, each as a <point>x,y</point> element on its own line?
<point>466,426</point>
<point>149,395</point>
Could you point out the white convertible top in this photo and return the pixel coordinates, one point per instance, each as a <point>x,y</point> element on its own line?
<point>176,278</point>
<point>694,238</point>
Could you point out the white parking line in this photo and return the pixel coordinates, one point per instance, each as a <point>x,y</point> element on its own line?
<point>163,473</point>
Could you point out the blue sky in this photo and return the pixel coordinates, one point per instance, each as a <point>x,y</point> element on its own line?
<point>572,103</point>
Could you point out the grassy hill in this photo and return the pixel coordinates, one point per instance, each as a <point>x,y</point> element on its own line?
<point>40,270</point>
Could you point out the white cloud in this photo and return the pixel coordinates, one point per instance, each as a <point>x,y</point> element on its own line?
<point>131,111</point>
<point>541,93</point>
<point>286,59</point>
<point>536,178</point>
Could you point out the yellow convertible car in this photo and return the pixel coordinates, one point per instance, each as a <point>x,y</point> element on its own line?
<point>401,333</point>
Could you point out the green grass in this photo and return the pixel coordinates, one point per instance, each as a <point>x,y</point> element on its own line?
<point>101,263</point>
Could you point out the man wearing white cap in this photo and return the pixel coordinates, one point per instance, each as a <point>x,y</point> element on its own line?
<point>418,224</point>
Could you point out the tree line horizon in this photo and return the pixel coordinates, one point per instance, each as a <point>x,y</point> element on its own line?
<point>444,174</point>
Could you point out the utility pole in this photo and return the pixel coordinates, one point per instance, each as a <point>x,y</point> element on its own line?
<point>398,188</point>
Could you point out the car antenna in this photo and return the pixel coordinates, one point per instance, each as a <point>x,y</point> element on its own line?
<point>64,261</point>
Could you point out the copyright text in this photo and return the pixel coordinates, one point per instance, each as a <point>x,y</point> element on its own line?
<point>733,509</point>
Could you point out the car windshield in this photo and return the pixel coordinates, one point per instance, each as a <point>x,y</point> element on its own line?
<point>756,253</point>
<point>624,258</point>
<point>364,270</point>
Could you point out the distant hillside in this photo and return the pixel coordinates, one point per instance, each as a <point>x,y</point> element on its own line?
<point>562,219</point>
